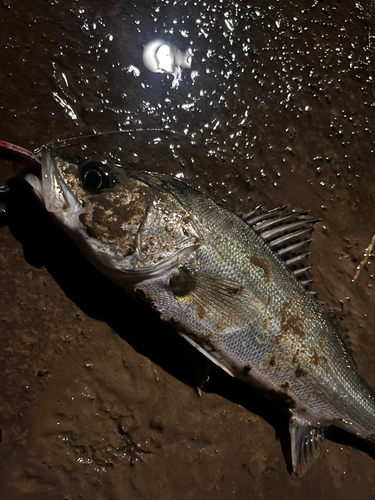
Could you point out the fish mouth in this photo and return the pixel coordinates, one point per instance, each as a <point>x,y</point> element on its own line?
<point>49,187</point>
<point>42,173</point>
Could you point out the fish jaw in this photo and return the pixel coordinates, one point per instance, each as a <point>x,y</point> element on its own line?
<point>65,208</point>
<point>52,191</point>
<point>58,200</point>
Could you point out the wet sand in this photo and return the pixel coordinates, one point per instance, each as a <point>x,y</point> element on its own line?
<point>97,396</point>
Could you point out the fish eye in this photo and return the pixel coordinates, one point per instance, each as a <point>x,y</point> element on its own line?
<point>96,176</point>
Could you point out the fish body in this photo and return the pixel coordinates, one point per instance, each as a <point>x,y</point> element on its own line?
<point>226,291</point>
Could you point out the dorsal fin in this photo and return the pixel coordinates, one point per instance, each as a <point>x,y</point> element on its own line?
<point>289,235</point>
<point>257,215</point>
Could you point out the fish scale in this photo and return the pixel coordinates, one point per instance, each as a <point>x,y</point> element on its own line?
<point>323,382</point>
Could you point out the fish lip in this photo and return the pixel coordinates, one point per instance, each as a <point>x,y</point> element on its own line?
<point>48,185</point>
<point>58,198</point>
<point>54,188</point>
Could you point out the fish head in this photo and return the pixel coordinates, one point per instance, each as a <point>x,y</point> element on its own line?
<point>97,204</point>
<point>125,224</point>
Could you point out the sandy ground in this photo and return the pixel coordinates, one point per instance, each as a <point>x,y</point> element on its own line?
<point>97,397</point>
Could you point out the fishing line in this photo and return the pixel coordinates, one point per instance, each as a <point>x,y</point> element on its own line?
<point>71,141</point>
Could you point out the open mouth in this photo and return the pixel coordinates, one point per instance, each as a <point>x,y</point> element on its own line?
<point>43,176</point>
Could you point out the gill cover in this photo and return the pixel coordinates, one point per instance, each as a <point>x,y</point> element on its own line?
<point>122,220</point>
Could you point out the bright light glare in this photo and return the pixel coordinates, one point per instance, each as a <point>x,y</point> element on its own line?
<point>160,56</point>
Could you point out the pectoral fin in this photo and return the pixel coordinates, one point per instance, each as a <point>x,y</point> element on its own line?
<point>222,305</point>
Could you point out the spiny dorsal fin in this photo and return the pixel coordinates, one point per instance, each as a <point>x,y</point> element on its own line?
<point>257,215</point>
<point>288,235</point>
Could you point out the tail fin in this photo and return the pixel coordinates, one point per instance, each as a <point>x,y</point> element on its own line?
<point>306,441</point>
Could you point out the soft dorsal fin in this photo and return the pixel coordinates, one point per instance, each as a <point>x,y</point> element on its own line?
<point>289,235</point>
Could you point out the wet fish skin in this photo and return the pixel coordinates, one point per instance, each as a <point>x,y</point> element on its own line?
<point>221,285</point>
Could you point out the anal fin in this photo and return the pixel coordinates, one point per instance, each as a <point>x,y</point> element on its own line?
<point>306,443</point>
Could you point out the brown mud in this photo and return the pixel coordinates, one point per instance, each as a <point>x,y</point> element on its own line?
<point>97,397</point>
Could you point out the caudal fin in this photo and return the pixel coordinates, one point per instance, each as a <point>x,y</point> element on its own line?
<point>306,441</point>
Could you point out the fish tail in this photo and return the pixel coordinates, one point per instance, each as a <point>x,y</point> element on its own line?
<point>306,441</point>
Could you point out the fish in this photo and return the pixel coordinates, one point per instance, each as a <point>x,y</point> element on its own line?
<point>234,286</point>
